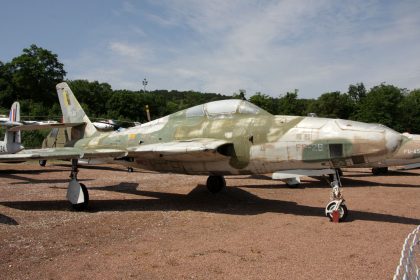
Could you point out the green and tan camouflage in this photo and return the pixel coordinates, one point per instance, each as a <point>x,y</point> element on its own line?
<point>225,137</point>
<point>236,137</point>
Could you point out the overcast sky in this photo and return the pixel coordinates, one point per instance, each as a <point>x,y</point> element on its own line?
<point>223,45</point>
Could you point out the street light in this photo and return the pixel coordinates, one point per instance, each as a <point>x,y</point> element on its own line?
<point>145,82</point>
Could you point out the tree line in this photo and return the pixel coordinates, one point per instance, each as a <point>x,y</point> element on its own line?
<point>30,78</point>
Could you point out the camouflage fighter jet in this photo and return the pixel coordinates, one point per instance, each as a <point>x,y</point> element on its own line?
<point>221,138</point>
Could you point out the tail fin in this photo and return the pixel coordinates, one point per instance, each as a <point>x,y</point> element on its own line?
<point>71,109</point>
<point>13,139</point>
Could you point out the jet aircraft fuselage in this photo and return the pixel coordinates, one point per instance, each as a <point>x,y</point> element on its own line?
<point>252,141</point>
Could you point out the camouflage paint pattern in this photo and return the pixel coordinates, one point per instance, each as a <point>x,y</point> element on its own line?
<point>252,140</point>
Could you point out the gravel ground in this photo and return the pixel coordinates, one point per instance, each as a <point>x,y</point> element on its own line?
<point>144,225</point>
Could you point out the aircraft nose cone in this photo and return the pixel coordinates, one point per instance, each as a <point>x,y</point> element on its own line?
<point>393,139</point>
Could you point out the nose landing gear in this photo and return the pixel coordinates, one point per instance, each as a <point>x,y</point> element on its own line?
<point>336,210</point>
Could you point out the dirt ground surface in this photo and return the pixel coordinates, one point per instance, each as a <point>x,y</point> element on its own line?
<point>144,225</point>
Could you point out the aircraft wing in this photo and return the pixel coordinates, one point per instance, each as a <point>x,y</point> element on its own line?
<point>37,126</point>
<point>62,153</point>
<point>200,149</point>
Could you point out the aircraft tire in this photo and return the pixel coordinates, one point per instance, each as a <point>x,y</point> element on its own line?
<point>215,183</point>
<point>82,206</point>
<point>42,162</point>
<point>292,186</point>
<point>130,169</point>
<point>379,171</point>
<point>342,210</point>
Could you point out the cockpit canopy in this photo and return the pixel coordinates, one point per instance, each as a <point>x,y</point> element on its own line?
<point>225,108</point>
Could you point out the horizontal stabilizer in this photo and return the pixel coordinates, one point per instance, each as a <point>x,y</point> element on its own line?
<point>9,123</point>
<point>21,127</point>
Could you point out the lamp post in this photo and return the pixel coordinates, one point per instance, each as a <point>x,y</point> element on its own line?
<point>145,82</point>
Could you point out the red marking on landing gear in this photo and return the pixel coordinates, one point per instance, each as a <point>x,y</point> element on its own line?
<point>335,216</point>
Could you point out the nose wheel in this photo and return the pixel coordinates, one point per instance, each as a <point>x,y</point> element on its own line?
<point>336,206</point>
<point>336,210</point>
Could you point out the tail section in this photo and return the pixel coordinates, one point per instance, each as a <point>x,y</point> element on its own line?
<point>72,111</point>
<point>12,139</point>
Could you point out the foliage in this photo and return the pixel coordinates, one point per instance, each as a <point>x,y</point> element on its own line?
<point>381,106</point>
<point>409,116</point>
<point>333,105</point>
<point>32,75</point>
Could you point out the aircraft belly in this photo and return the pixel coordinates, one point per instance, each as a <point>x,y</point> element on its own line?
<point>224,167</point>
<point>188,167</point>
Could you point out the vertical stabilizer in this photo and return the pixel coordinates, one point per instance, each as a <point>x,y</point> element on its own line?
<point>72,111</point>
<point>12,140</point>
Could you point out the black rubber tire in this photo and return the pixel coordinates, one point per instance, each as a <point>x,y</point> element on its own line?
<point>384,170</point>
<point>215,183</point>
<point>343,211</point>
<point>42,162</point>
<point>379,171</point>
<point>130,169</point>
<point>82,206</point>
<point>292,186</point>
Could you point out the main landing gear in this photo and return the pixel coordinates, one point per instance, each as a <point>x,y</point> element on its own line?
<point>336,207</point>
<point>215,183</point>
<point>77,193</point>
<point>379,171</point>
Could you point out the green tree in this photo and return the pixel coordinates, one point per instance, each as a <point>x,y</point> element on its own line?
<point>6,91</point>
<point>265,102</point>
<point>333,105</point>
<point>381,105</point>
<point>409,120</point>
<point>34,75</point>
<point>240,95</point>
<point>357,92</point>
<point>290,104</point>
<point>94,95</point>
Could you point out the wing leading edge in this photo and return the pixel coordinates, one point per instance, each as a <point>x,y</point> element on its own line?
<point>200,149</point>
<point>62,153</point>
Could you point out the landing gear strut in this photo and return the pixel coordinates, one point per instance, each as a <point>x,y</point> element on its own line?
<point>336,206</point>
<point>77,193</point>
<point>215,183</point>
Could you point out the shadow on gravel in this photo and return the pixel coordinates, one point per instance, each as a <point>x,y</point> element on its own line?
<point>233,201</point>
<point>93,167</point>
<point>19,175</point>
<point>391,173</point>
<point>25,181</point>
<point>322,184</point>
<point>5,172</point>
<point>7,220</point>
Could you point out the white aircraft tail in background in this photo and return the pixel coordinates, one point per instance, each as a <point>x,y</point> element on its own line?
<point>12,139</point>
